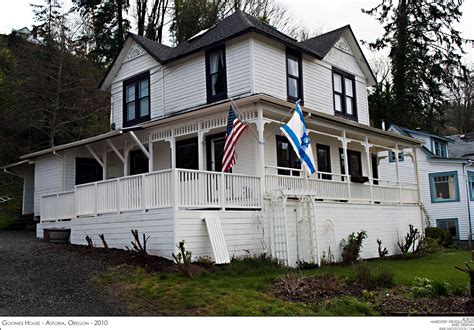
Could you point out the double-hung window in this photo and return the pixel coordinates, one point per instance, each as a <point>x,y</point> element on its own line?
<point>136,100</point>
<point>444,187</point>
<point>344,94</point>
<point>294,76</point>
<point>440,149</point>
<point>216,74</point>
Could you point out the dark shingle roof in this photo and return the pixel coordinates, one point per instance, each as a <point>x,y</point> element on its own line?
<point>324,42</point>
<point>462,146</point>
<point>230,27</point>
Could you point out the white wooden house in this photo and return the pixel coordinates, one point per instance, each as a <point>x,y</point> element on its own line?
<point>446,178</point>
<point>158,169</point>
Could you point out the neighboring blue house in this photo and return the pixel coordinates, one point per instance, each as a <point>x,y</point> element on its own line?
<point>445,175</point>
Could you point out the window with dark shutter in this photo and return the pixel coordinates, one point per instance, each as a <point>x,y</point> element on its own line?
<point>216,74</point>
<point>344,94</point>
<point>136,100</point>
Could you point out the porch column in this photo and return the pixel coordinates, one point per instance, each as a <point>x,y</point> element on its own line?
<point>370,172</point>
<point>172,142</point>
<point>398,173</point>
<point>201,134</point>
<point>104,168</point>
<point>346,165</point>
<point>261,152</point>
<point>125,163</point>
<point>150,152</point>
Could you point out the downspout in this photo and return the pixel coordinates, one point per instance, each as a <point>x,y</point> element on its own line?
<point>468,199</point>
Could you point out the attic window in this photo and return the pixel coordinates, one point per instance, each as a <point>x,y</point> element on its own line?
<point>440,149</point>
<point>216,74</point>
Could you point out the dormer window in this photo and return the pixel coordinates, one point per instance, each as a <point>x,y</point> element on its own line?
<point>136,100</point>
<point>440,149</point>
<point>344,94</point>
<point>216,74</point>
<point>294,76</point>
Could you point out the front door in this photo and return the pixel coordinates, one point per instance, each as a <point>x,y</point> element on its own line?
<point>323,161</point>
<point>215,151</point>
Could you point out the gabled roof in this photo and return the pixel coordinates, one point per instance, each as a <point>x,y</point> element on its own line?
<point>240,23</point>
<point>453,157</point>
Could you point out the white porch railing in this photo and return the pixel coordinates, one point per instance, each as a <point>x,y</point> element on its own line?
<point>59,206</point>
<point>330,186</point>
<point>189,189</point>
<point>198,189</point>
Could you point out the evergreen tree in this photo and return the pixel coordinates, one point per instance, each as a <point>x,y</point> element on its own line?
<point>424,49</point>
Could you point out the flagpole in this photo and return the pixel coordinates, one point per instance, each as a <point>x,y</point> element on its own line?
<point>281,121</point>
<point>244,120</point>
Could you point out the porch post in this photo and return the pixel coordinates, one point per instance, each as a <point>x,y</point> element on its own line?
<point>172,142</point>
<point>398,173</point>
<point>150,160</point>
<point>261,152</point>
<point>346,165</point>
<point>125,163</point>
<point>370,173</point>
<point>104,168</point>
<point>201,149</point>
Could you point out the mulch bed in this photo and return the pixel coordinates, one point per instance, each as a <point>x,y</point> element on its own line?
<point>393,302</point>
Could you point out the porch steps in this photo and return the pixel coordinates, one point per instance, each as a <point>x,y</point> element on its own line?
<point>280,229</point>
<point>4,199</point>
<point>216,236</point>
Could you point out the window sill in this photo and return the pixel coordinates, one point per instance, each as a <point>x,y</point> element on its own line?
<point>345,116</point>
<point>445,201</point>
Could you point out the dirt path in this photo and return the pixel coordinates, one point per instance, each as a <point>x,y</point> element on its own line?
<point>46,279</point>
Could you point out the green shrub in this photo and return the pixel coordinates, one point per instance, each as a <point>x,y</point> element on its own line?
<point>385,278</point>
<point>352,246</point>
<point>422,287</point>
<point>369,280</point>
<point>345,306</point>
<point>260,264</point>
<point>441,236</point>
<point>441,288</point>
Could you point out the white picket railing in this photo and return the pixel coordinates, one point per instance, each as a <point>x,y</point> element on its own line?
<point>199,189</point>
<point>331,186</point>
<point>59,206</point>
<point>193,189</point>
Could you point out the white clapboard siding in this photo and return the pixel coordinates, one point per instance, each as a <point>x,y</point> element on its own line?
<point>269,68</point>
<point>238,67</point>
<point>49,178</point>
<point>158,224</point>
<point>216,236</point>
<point>317,85</point>
<point>185,84</point>
<point>457,210</point>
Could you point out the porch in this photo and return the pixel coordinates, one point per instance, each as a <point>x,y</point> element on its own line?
<point>179,166</point>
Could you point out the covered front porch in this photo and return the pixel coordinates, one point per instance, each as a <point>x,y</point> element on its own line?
<point>175,163</point>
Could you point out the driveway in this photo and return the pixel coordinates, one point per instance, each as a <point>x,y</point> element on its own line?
<point>47,279</point>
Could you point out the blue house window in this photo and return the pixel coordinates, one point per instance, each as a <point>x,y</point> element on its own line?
<point>444,187</point>
<point>450,225</point>
<point>391,156</point>
<point>440,148</point>
<point>470,176</point>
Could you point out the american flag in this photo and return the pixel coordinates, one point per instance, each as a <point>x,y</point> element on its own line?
<point>234,130</point>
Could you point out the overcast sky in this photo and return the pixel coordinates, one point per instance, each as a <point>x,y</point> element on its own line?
<point>318,15</point>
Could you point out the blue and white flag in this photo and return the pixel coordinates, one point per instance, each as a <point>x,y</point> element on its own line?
<point>296,132</point>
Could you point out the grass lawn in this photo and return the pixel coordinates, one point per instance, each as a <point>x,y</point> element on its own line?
<point>5,221</point>
<point>244,287</point>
